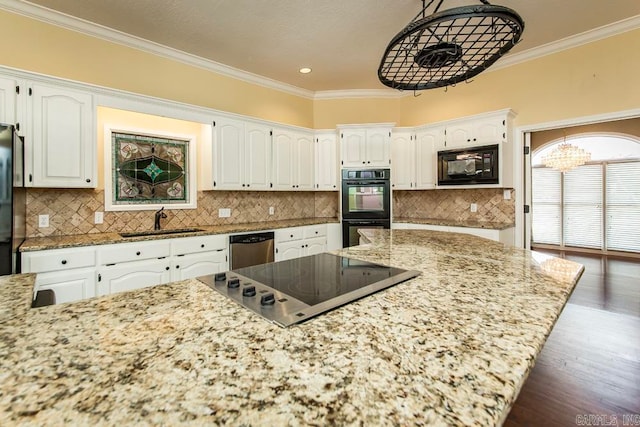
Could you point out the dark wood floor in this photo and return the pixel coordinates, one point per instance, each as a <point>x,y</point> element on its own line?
<point>589,370</point>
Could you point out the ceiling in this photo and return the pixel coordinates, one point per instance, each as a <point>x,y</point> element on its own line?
<point>341,40</point>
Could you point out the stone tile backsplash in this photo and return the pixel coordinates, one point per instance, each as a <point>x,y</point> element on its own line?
<point>72,211</point>
<point>455,205</point>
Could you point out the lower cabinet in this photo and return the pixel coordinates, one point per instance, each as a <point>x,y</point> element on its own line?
<point>185,267</point>
<point>297,242</point>
<point>69,285</point>
<point>128,276</point>
<point>505,236</point>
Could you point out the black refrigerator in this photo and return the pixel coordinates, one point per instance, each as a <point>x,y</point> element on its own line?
<point>13,199</point>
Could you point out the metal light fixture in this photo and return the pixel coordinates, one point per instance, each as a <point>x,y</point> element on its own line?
<point>450,46</point>
<point>566,157</point>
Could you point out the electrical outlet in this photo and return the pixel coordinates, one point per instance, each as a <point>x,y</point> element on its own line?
<point>507,194</point>
<point>43,221</point>
<point>272,210</point>
<point>224,213</point>
<point>474,207</point>
<point>98,218</point>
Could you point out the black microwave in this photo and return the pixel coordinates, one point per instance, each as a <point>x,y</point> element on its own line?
<point>468,166</point>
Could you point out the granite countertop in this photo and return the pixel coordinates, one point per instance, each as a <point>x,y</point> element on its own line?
<point>457,223</point>
<point>450,347</point>
<point>58,242</point>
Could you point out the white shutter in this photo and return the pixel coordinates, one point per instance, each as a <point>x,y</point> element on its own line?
<point>623,206</point>
<point>546,211</point>
<point>583,207</point>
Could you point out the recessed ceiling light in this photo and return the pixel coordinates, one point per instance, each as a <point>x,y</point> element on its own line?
<point>305,70</point>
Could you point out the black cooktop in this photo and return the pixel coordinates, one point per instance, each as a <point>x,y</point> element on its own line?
<point>289,292</point>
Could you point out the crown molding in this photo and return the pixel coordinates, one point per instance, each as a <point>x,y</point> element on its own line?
<point>615,28</point>
<point>88,28</point>
<point>85,27</point>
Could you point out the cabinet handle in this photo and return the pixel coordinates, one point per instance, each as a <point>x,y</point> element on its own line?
<point>18,127</point>
<point>64,261</point>
<point>138,253</point>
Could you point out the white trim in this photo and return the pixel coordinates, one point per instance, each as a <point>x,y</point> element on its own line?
<point>518,156</point>
<point>85,27</point>
<point>192,202</point>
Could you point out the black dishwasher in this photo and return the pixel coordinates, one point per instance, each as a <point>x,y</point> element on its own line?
<point>251,249</point>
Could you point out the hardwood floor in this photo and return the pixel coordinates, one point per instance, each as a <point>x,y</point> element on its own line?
<point>589,370</point>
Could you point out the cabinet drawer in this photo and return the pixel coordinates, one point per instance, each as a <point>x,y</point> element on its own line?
<point>288,234</point>
<point>59,259</point>
<point>315,231</point>
<point>134,251</point>
<point>192,245</point>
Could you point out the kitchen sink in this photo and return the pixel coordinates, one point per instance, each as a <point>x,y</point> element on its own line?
<point>160,232</point>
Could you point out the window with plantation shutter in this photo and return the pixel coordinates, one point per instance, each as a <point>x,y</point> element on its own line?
<point>582,199</point>
<point>546,220</point>
<point>623,206</point>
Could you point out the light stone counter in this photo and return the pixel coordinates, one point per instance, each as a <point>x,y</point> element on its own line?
<point>450,347</point>
<point>456,223</point>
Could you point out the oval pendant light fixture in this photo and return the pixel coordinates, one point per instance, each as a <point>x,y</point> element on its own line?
<point>450,46</point>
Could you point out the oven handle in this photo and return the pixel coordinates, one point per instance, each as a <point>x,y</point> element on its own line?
<point>365,182</point>
<point>351,222</point>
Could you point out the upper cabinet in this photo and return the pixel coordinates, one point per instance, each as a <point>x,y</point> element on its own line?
<point>475,132</point>
<point>365,146</point>
<point>413,158</point>
<point>293,160</point>
<point>58,124</point>
<point>326,161</point>
<point>242,155</point>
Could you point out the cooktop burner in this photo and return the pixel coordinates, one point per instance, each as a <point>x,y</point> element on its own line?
<point>292,291</point>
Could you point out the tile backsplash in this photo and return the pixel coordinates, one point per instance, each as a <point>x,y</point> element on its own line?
<point>455,205</point>
<point>71,211</point>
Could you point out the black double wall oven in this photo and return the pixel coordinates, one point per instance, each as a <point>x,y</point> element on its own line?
<point>366,202</point>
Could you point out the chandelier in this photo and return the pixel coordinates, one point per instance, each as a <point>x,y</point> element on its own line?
<point>449,46</point>
<point>566,157</point>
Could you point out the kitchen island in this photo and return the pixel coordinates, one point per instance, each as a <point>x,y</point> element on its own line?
<point>450,347</point>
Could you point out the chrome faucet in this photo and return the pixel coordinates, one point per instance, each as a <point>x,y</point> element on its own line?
<point>159,214</point>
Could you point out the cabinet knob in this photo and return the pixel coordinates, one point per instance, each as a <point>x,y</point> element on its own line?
<point>138,253</point>
<point>64,261</point>
<point>243,185</point>
<point>291,236</point>
<point>247,185</point>
<point>166,268</point>
<point>177,266</point>
<point>368,161</point>
<point>202,245</point>
<point>88,180</point>
<point>364,163</point>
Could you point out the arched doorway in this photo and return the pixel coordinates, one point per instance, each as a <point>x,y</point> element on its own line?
<point>594,206</point>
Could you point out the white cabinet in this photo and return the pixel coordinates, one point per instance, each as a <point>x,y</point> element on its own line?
<point>297,242</point>
<point>414,158</point>
<point>334,236</point>
<point>69,273</point>
<point>242,155</point>
<point>8,100</point>
<point>476,132</point>
<point>185,267</point>
<point>365,147</point>
<point>133,275</point>
<point>293,160</point>
<point>60,149</point>
<point>326,161</point>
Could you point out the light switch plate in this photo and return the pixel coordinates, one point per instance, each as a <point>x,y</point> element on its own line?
<point>224,213</point>
<point>98,218</point>
<point>272,210</point>
<point>43,221</point>
<point>474,207</point>
<point>507,194</point>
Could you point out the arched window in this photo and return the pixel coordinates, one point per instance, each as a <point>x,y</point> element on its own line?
<point>596,205</point>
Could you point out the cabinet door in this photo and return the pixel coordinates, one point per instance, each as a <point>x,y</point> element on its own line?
<point>459,135</point>
<point>62,138</point>
<point>282,172</point>
<point>133,275</point>
<point>289,250</point>
<point>8,100</point>
<point>304,162</point>
<point>378,147</point>
<point>315,245</point>
<point>489,131</point>
<point>402,161</point>
<point>426,157</point>
<point>326,161</point>
<point>257,156</point>
<point>228,141</point>
<point>201,264</point>
<point>69,285</point>
<point>353,150</point>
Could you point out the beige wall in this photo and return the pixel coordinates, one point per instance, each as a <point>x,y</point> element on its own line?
<point>47,49</point>
<point>597,78</point>
<point>329,113</point>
